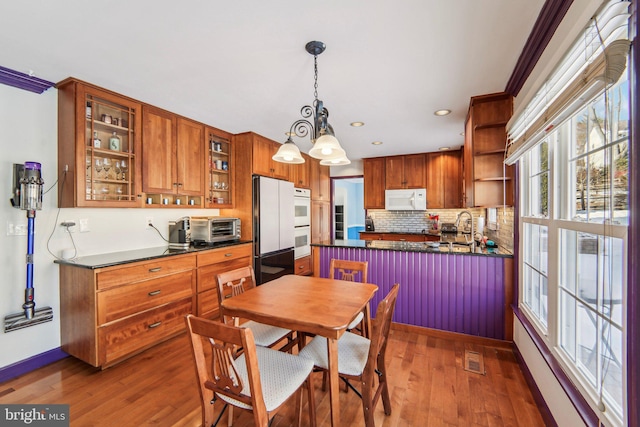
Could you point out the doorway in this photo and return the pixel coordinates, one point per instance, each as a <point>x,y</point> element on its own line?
<point>348,207</point>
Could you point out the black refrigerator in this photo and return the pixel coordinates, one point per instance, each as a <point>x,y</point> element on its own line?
<point>273,228</point>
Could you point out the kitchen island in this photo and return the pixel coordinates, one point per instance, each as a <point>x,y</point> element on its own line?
<point>468,293</point>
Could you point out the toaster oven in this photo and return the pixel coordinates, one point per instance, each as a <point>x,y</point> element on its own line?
<point>214,229</point>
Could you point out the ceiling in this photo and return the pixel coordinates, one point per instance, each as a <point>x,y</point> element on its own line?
<point>241,65</point>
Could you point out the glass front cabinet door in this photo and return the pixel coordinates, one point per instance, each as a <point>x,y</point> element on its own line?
<point>220,169</point>
<point>98,147</point>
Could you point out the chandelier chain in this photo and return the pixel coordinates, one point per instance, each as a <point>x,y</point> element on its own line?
<point>315,77</point>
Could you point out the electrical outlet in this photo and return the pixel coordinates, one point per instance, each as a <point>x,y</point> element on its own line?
<point>149,223</point>
<point>21,230</point>
<point>10,229</point>
<point>84,225</point>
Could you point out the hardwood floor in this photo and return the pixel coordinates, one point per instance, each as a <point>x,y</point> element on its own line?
<point>428,387</point>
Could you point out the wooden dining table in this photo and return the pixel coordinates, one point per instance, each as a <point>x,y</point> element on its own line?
<point>308,304</point>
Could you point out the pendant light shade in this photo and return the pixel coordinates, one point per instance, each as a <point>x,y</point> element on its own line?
<point>288,153</point>
<point>327,147</point>
<point>336,162</point>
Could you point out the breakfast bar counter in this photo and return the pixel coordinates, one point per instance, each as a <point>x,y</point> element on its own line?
<point>469,293</point>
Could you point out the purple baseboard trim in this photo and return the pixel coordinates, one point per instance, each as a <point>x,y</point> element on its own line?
<point>30,364</point>
<point>545,412</point>
<point>584,410</point>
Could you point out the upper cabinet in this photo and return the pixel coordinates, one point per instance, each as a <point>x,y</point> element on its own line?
<point>263,163</point>
<point>220,179</point>
<point>98,146</point>
<point>320,180</point>
<point>405,172</point>
<point>300,174</point>
<point>374,182</point>
<point>444,180</point>
<point>173,152</point>
<point>487,181</point>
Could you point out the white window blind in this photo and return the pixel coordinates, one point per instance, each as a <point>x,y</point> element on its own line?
<point>596,60</point>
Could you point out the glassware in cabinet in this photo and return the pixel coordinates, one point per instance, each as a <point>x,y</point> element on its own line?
<point>98,145</point>
<point>220,171</point>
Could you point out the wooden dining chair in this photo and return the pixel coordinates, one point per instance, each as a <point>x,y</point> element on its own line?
<point>362,359</point>
<point>353,271</point>
<point>235,282</point>
<point>259,380</point>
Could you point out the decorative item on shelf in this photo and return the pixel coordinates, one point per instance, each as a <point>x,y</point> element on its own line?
<point>114,142</point>
<point>96,141</point>
<point>88,110</point>
<point>106,118</point>
<point>325,145</point>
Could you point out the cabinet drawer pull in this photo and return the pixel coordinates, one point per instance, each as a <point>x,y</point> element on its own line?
<point>154,325</point>
<point>301,267</point>
<point>228,254</point>
<point>155,270</point>
<point>154,293</point>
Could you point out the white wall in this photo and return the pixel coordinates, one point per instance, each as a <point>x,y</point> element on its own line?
<point>28,132</point>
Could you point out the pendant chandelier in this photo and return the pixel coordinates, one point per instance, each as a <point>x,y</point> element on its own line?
<point>315,124</point>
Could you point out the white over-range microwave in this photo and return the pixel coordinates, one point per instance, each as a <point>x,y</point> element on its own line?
<point>406,200</point>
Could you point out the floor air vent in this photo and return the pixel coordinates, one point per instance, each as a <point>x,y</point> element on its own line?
<point>473,362</point>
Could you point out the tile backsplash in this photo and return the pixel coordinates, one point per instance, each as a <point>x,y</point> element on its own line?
<point>416,221</point>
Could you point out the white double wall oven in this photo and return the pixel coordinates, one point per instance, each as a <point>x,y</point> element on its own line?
<point>302,222</point>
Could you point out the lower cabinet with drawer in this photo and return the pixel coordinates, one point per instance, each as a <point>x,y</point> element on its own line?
<point>212,262</point>
<point>108,314</point>
<point>303,266</point>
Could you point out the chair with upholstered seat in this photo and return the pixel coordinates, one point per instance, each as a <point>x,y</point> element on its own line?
<point>353,271</point>
<point>234,282</point>
<point>259,380</point>
<point>362,359</point>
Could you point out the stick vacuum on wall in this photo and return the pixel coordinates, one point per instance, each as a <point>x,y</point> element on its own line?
<point>27,195</point>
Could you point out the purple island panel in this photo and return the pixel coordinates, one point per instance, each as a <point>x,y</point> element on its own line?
<point>451,292</point>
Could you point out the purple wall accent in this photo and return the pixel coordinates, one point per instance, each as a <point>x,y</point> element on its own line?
<point>633,272</point>
<point>30,364</point>
<point>550,16</point>
<point>450,292</point>
<point>23,81</point>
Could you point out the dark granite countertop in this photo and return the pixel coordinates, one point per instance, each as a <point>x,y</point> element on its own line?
<point>429,247</point>
<point>126,257</point>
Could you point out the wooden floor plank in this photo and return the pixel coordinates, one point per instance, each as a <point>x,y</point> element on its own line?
<point>427,384</point>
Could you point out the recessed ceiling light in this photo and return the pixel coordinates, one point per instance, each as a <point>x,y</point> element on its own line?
<point>377,142</point>
<point>357,124</point>
<point>444,148</point>
<point>442,112</point>
<point>290,133</point>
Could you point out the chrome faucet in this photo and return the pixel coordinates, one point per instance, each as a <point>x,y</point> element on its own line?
<point>473,240</point>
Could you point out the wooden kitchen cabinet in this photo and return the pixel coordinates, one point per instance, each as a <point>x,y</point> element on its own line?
<point>320,221</point>
<point>210,264</point>
<point>405,172</point>
<point>300,174</point>
<point>487,181</point>
<point>98,147</point>
<point>221,169</point>
<point>263,163</point>
<point>303,266</point>
<point>111,313</point>
<point>444,180</point>
<point>320,180</point>
<point>173,153</point>
<point>374,182</point>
